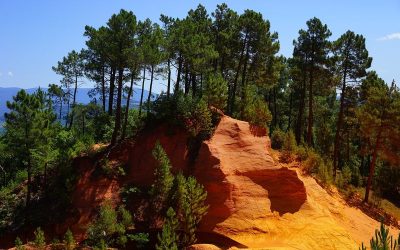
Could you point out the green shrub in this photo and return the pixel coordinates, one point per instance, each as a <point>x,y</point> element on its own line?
<point>189,198</point>
<point>40,240</point>
<point>216,91</point>
<point>316,166</point>
<point>288,148</point>
<point>141,239</point>
<point>69,240</point>
<point>110,227</point>
<point>254,108</point>
<point>18,244</point>
<point>277,139</point>
<point>103,228</point>
<point>383,240</point>
<point>167,239</point>
<point>301,153</point>
<point>184,111</point>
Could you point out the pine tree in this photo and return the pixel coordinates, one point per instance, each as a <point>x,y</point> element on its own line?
<point>379,119</point>
<point>168,239</point>
<point>190,200</point>
<point>28,128</point>
<point>311,52</point>
<point>71,68</point>
<point>352,60</point>
<point>216,91</point>
<point>160,190</point>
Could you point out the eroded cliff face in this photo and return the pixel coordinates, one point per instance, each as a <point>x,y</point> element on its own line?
<point>258,202</point>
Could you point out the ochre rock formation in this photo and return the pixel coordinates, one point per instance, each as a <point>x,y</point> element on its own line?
<point>260,203</point>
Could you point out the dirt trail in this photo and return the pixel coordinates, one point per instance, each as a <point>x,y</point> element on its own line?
<point>260,203</point>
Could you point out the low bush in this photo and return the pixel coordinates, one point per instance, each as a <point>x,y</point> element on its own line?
<point>383,240</point>
<point>18,244</point>
<point>254,109</point>
<point>40,240</point>
<point>183,111</point>
<point>69,240</point>
<point>316,166</point>
<point>277,139</point>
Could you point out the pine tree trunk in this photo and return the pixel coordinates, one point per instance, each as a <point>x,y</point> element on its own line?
<point>73,102</point>
<point>61,102</point>
<point>372,166</point>
<point>68,108</point>
<point>299,125</point>
<point>187,83</point>
<point>336,155</point>
<point>141,95</point>
<point>310,112</point>
<point>127,107</point>
<point>275,118</point>
<point>103,88</point>
<point>290,112</point>
<point>169,78</point>
<point>150,89</point>
<point>193,80</point>
<point>111,95</point>
<point>117,126</point>
<point>178,74</point>
<point>231,109</point>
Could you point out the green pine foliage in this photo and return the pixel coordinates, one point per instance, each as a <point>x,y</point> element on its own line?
<point>39,240</point>
<point>69,240</point>
<point>254,109</point>
<point>168,239</point>
<point>277,139</point>
<point>190,200</point>
<point>164,179</point>
<point>383,240</point>
<point>19,245</point>
<point>216,91</point>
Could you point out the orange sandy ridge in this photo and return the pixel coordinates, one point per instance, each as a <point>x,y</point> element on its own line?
<point>268,205</point>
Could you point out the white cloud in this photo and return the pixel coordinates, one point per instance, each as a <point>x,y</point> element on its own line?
<point>393,36</point>
<point>10,74</point>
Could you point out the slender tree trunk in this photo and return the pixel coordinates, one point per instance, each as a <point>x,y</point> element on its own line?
<point>68,108</point>
<point>372,166</point>
<point>300,122</point>
<point>103,88</point>
<point>150,89</point>
<point>127,107</point>
<point>290,112</point>
<point>61,102</point>
<point>201,85</point>
<point>336,154</point>
<point>73,102</point>
<point>111,94</point>
<point>117,126</point>
<point>45,178</point>
<point>193,80</point>
<point>310,111</point>
<point>243,93</point>
<point>233,94</point>
<point>275,118</point>
<point>169,78</point>
<point>29,186</point>
<point>178,75</point>
<point>29,169</point>
<point>141,95</point>
<point>187,83</point>
<point>83,123</point>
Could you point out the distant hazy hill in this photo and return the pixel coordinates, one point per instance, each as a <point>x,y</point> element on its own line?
<point>6,94</point>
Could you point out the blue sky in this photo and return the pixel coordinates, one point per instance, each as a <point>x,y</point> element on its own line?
<point>36,34</point>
